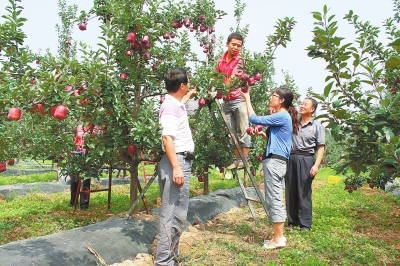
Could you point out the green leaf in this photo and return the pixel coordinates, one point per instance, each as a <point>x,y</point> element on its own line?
<point>392,62</point>
<point>365,129</point>
<point>396,45</point>
<point>328,88</point>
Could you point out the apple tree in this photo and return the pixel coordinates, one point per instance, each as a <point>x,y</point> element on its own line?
<point>360,102</point>
<point>211,137</point>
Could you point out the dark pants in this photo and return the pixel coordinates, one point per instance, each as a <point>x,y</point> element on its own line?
<point>298,190</point>
<point>84,196</point>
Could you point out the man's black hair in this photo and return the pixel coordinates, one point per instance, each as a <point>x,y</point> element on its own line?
<point>174,78</point>
<point>236,36</point>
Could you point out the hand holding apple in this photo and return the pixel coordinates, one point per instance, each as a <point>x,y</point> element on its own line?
<point>245,95</point>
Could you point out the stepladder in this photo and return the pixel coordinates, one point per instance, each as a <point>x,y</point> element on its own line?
<point>247,174</point>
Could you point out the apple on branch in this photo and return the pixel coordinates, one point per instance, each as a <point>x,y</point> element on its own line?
<point>82,26</point>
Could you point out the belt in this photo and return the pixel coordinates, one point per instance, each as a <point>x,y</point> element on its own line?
<point>302,153</point>
<point>276,156</point>
<point>188,155</point>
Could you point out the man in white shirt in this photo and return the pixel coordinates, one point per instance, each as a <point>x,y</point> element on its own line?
<point>175,166</point>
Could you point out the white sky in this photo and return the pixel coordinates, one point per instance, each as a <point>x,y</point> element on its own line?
<point>260,14</point>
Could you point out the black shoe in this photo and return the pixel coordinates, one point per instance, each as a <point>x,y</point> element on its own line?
<point>84,208</point>
<point>304,229</point>
<point>70,205</point>
<point>289,227</point>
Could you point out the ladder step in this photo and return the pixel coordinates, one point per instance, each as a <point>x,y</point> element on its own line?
<point>255,200</point>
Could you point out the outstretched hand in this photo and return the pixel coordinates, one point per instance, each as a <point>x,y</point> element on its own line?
<point>245,95</point>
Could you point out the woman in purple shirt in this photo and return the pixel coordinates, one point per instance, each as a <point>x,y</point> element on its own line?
<point>282,123</point>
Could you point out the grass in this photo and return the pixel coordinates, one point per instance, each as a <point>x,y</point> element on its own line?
<point>348,229</point>
<point>37,214</point>
<point>360,228</point>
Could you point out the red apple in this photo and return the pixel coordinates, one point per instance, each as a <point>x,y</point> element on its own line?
<point>38,107</point>
<point>68,88</point>
<point>37,61</point>
<point>166,36</point>
<point>245,89</point>
<point>186,22</point>
<point>346,187</point>
<point>60,112</point>
<point>24,143</point>
<point>131,37</point>
<point>205,50</point>
<point>154,67</point>
<point>393,90</point>
<point>82,26</point>
<point>14,113</point>
<point>84,101</point>
<point>145,39</point>
<point>259,158</point>
<point>128,53</point>
<point>251,81</point>
<point>250,131</point>
<point>76,92</point>
<point>371,185</point>
<point>195,222</point>
<point>3,167</point>
<point>219,95</point>
<point>175,24</point>
<point>131,149</point>
<point>145,46</point>
<point>10,162</point>
<point>146,55</point>
<point>354,187</point>
<point>33,82</point>
<point>200,178</point>
<point>124,76</point>
<point>135,46</point>
<point>350,190</point>
<point>202,17</point>
<point>191,30</point>
<point>213,40</point>
<point>254,173</point>
<point>257,128</point>
<point>202,102</point>
<point>203,28</point>
<point>257,76</point>
<point>172,34</point>
<point>68,42</point>
<point>244,77</point>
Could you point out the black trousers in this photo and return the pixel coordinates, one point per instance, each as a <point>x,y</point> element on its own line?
<point>298,190</point>
<point>84,196</point>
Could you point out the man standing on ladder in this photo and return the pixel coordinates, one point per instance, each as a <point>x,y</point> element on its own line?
<point>235,106</point>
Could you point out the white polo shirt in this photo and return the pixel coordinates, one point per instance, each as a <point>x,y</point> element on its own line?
<point>174,122</point>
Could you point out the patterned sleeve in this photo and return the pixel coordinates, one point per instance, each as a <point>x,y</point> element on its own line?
<point>169,121</point>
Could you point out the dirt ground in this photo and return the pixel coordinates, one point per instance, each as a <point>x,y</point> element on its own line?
<point>202,233</point>
<point>196,232</point>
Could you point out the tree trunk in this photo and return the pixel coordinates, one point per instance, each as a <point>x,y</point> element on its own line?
<point>133,170</point>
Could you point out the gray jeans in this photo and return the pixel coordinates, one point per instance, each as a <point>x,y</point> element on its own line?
<point>236,114</point>
<point>274,174</point>
<point>174,208</point>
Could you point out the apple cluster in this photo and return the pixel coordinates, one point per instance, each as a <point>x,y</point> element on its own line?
<point>254,130</point>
